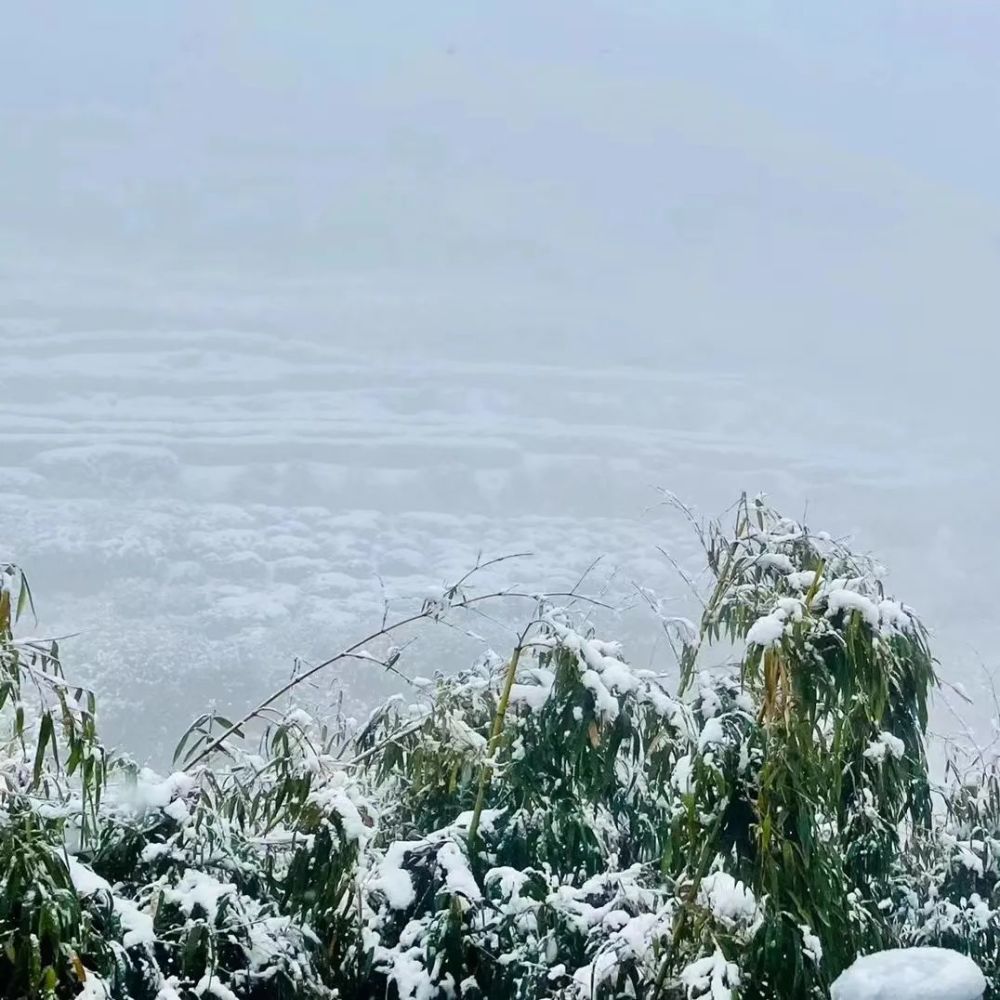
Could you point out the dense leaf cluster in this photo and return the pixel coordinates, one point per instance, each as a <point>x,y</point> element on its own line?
<point>554,824</point>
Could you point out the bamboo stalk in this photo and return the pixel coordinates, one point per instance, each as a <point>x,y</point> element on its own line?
<point>495,734</point>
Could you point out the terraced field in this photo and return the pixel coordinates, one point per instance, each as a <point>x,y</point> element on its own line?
<point>205,506</point>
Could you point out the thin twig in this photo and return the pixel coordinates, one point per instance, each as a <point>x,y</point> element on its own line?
<point>677,566</point>
<point>353,651</point>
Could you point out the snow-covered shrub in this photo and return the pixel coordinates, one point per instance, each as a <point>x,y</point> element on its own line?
<point>948,892</point>
<point>553,824</point>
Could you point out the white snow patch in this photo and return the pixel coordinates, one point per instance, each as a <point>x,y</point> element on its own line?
<point>776,560</point>
<point>458,877</point>
<point>848,600</point>
<point>153,792</point>
<point>210,985</point>
<point>812,947</point>
<point>768,630</point>
<point>94,988</point>
<point>85,881</point>
<point>711,976</point>
<point>680,777</point>
<point>913,973</point>
<point>802,580</point>
<point>712,733</point>
<point>731,902</point>
<point>335,797</point>
<point>605,703</point>
<point>533,695</point>
<point>198,889</point>
<point>138,925</point>
<point>894,616</point>
<point>886,743</point>
<point>393,880</point>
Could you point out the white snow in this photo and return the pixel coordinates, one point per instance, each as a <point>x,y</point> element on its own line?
<point>842,599</point>
<point>393,880</point>
<point>777,561</point>
<point>711,976</point>
<point>211,985</point>
<point>790,607</point>
<point>894,616</point>
<point>334,798</point>
<point>198,890</point>
<point>153,851</point>
<point>913,974</point>
<point>767,630</point>
<point>85,880</point>
<point>487,820</point>
<point>138,924</point>
<point>510,880</point>
<point>94,988</point>
<point>605,703</point>
<point>886,743</point>
<point>154,792</point>
<point>681,776</point>
<point>177,810</point>
<point>407,971</point>
<point>533,695</point>
<point>458,877</point>
<point>169,989</point>
<point>712,733</point>
<point>812,947</point>
<point>731,902</point>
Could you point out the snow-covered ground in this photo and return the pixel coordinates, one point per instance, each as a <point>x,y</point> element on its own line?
<point>207,505</point>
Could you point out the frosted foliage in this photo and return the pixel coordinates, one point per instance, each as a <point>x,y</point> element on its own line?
<point>611,831</point>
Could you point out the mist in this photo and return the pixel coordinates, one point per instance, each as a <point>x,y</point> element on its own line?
<point>305,306</point>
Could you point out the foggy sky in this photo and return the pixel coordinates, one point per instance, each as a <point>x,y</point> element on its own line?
<point>649,180</point>
<point>384,283</point>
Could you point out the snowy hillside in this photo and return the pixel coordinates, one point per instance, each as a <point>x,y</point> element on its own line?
<point>207,506</point>
<point>288,305</point>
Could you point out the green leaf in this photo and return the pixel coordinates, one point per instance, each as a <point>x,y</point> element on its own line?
<point>195,727</point>
<point>46,732</point>
<point>23,597</point>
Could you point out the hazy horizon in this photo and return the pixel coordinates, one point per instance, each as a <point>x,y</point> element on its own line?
<point>293,298</point>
